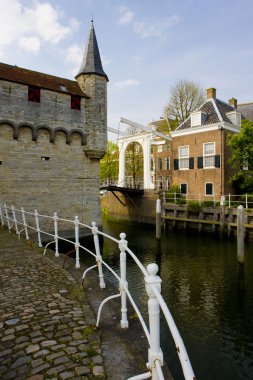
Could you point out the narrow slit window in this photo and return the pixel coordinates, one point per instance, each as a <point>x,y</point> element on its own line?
<point>45,158</point>
<point>75,102</point>
<point>33,94</point>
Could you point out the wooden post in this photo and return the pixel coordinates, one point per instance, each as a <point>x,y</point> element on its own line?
<point>240,234</point>
<point>158,219</point>
<point>222,215</point>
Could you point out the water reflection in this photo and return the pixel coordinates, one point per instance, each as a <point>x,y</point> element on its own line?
<point>200,282</point>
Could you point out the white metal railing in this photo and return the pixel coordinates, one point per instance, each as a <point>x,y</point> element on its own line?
<point>230,200</point>
<point>26,222</point>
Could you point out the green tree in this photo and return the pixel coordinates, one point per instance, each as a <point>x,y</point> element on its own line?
<point>109,164</point>
<point>134,162</point>
<point>185,97</point>
<point>241,145</point>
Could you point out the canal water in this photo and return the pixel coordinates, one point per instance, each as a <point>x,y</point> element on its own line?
<point>202,286</point>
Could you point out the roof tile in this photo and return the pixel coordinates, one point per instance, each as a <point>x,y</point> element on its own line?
<point>33,78</point>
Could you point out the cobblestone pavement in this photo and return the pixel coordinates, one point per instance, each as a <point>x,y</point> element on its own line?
<point>46,324</point>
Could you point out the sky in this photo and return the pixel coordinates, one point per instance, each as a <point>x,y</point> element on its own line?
<point>146,46</point>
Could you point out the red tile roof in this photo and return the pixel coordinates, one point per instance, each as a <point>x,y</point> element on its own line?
<point>33,78</point>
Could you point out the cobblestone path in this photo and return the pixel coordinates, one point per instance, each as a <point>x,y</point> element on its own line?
<point>46,325</point>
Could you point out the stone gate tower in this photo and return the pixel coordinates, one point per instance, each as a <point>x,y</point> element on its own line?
<point>93,81</point>
<point>53,133</point>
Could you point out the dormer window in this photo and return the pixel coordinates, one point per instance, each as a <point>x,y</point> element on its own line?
<point>234,117</point>
<point>33,94</point>
<point>198,118</point>
<point>75,102</point>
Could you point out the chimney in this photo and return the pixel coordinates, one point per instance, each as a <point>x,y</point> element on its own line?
<point>233,102</point>
<point>211,93</point>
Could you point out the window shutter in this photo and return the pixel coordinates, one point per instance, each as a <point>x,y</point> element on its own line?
<point>200,162</point>
<point>191,163</point>
<point>175,163</point>
<point>217,161</point>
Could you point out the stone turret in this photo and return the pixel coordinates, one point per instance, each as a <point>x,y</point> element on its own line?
<point>93,82</point>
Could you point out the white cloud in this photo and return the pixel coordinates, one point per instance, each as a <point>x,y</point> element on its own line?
<point>30,26</point>
<point>126,17</point>
<point>74,54</point>
<point>146,29</point>
<point>31,44</point>
<point>157,29</point>
<point>126,83</point>
<point>105,60</point>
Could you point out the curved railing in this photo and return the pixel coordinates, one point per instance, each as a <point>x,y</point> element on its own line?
<point>26,222</point>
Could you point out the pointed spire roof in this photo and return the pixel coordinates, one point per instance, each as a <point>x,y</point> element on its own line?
<point>91,63</point>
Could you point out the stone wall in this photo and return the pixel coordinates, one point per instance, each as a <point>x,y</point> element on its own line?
<point>54,109</point>
<point>49,177</point>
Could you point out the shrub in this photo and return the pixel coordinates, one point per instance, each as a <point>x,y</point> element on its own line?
<point>242,200</point>
<point>194,206</point>
<point>170,194</point>
<point>181,201</point>
<point>208,204</point>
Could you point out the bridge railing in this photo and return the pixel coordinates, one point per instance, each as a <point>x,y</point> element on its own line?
<point>25,222</point>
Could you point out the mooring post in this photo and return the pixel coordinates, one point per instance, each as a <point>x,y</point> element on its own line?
<point>222,214</point>
<point>154,352</point>
<point>158,219</point>
<point>77,244</point>
<point>98,255</point>
<point>123,282</point>
<point>240,234</point>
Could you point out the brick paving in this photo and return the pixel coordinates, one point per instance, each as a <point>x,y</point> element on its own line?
<point>46,324</point>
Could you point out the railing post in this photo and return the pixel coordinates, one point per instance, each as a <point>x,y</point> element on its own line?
<point>76,222</point>
<point>56,235</point>
<point>24,223</point>
<point>7,217</point>
<point>175,197</point>
<point>15,219</point>
<point>1,216</point>
<point>36,214</point>
<point>229,200</point>
<point>246,201</point>
<point>154,352</point>
<point>98,255</point>
<point>123,282</point>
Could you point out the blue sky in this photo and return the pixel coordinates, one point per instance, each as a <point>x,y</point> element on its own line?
<point>146,46</point>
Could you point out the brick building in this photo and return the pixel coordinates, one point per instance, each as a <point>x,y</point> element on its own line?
<point>197,157</point>
<point>199,150</point>
<point>53,133</point>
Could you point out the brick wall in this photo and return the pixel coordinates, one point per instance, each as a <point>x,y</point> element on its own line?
<point>197,177</point>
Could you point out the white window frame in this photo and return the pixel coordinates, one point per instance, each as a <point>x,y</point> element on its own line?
<point>209,183</point>
<point>167,182</point>
<point>208,156</point>
<point>159,148</point>
<point>184,183</point>
<point>183,161</point>
<point>166,163</point>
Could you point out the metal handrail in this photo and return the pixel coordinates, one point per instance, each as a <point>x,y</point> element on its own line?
<point>152,284</point>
